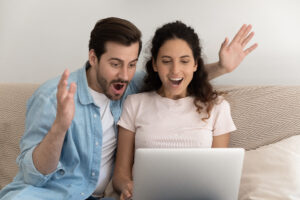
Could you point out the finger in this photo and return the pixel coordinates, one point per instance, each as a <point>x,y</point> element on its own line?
<point>122,197</point>
<point>130,188</point>
<point>237,36</point>
<point>72,88</point>
<point>247,39</point>
<point>225,43</point>
<point>62,91</point>
<point>246,32</point>
<point>250,49</point>
<point>64,77</point>
<point>62,85</point>
<point>127,194</point>
<point>70,95</point>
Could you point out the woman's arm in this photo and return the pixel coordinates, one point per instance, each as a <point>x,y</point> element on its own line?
<point>221,141</point>
<point>122,178</point>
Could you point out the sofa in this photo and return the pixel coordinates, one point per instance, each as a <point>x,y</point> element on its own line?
<point>268,128</point>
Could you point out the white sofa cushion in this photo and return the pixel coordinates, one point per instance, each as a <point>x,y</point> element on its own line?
<point>272,171</point>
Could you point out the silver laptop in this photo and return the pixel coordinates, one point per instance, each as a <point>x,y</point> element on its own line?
<point>187,174</point>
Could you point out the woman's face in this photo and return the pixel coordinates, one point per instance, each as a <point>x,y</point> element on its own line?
<point>175,65</point>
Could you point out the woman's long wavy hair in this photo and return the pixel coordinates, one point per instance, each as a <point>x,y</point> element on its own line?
<point>199,87</point>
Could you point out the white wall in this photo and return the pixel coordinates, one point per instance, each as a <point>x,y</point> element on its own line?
<point>38,39</point>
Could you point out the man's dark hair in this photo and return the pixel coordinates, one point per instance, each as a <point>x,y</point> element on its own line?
<point>113,29</point>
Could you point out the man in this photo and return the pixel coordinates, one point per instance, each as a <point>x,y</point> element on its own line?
<point>67,150</point>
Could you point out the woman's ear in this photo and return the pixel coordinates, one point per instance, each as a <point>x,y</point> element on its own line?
<point>154,65</point>
<point>92,57</point>
<point>195,67</point>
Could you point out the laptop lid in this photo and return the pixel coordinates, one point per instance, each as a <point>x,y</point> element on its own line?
<point>202,174</point>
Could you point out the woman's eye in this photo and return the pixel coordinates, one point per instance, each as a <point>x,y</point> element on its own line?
<point>166,61</point>
<point>185,61</point>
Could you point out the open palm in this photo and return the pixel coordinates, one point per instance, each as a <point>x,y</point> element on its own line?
<point>65,102</point>
<point>233,53</point>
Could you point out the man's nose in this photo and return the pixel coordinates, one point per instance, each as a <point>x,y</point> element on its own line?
<point>123,74</point>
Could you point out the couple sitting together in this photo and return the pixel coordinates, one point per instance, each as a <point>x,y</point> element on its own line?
<point>75,130</point>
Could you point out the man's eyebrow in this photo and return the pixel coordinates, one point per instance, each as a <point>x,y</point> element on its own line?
<point>117,59</point>
<point>135,60</point>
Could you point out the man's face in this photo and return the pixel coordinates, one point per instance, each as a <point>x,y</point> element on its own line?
<point>112,73</point>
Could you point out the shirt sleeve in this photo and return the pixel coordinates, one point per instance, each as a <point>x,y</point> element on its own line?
<point>127,119</point>
<point>223,121</point>
<point>40,116</point>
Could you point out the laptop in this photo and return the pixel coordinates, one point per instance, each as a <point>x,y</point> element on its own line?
<point>187,174</point>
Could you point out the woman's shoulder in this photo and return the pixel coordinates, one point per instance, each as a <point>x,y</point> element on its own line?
<point>140,96</point>
<point>221,103</point>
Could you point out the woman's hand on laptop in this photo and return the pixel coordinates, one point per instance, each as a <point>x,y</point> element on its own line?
<point>126,192</point>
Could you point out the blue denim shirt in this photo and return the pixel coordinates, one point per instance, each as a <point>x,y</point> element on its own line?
<point>77,172</point>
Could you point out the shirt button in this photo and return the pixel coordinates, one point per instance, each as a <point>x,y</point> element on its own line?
<point>95,116</point>
<point>82,193</point>
<point>61,172</point>
<point>97,143</point>
<point>93,173</point>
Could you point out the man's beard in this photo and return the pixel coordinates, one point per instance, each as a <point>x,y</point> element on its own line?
<point>105,86</point>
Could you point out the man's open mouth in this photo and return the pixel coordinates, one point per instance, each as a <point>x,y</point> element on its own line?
<point>118,86</point>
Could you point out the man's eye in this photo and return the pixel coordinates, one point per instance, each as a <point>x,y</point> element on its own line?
<point>133,65</point>
<point>115,64</point>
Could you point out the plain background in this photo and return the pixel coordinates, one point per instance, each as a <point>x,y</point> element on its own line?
<point>40,38</point>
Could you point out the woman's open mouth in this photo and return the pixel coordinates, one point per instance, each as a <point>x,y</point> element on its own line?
<point>175,81</point>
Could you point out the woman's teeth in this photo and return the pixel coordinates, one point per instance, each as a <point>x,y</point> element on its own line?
<point>176,81</point>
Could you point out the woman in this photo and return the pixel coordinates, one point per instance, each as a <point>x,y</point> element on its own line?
<point>178,108</point>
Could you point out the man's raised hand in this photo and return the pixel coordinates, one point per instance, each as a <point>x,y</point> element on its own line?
<point>65,102</point>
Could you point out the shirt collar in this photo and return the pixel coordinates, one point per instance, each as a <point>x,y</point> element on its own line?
<point>84,94</point>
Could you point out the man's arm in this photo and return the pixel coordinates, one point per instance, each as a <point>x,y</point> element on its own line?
<point>232,54</point>
<point>46,155</point>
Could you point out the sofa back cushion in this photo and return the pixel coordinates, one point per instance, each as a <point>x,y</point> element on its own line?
<point>263,114</point>
<point>13,98</point>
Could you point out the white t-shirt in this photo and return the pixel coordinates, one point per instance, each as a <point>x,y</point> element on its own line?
<point>160,122</point>
<point>109,141</point>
